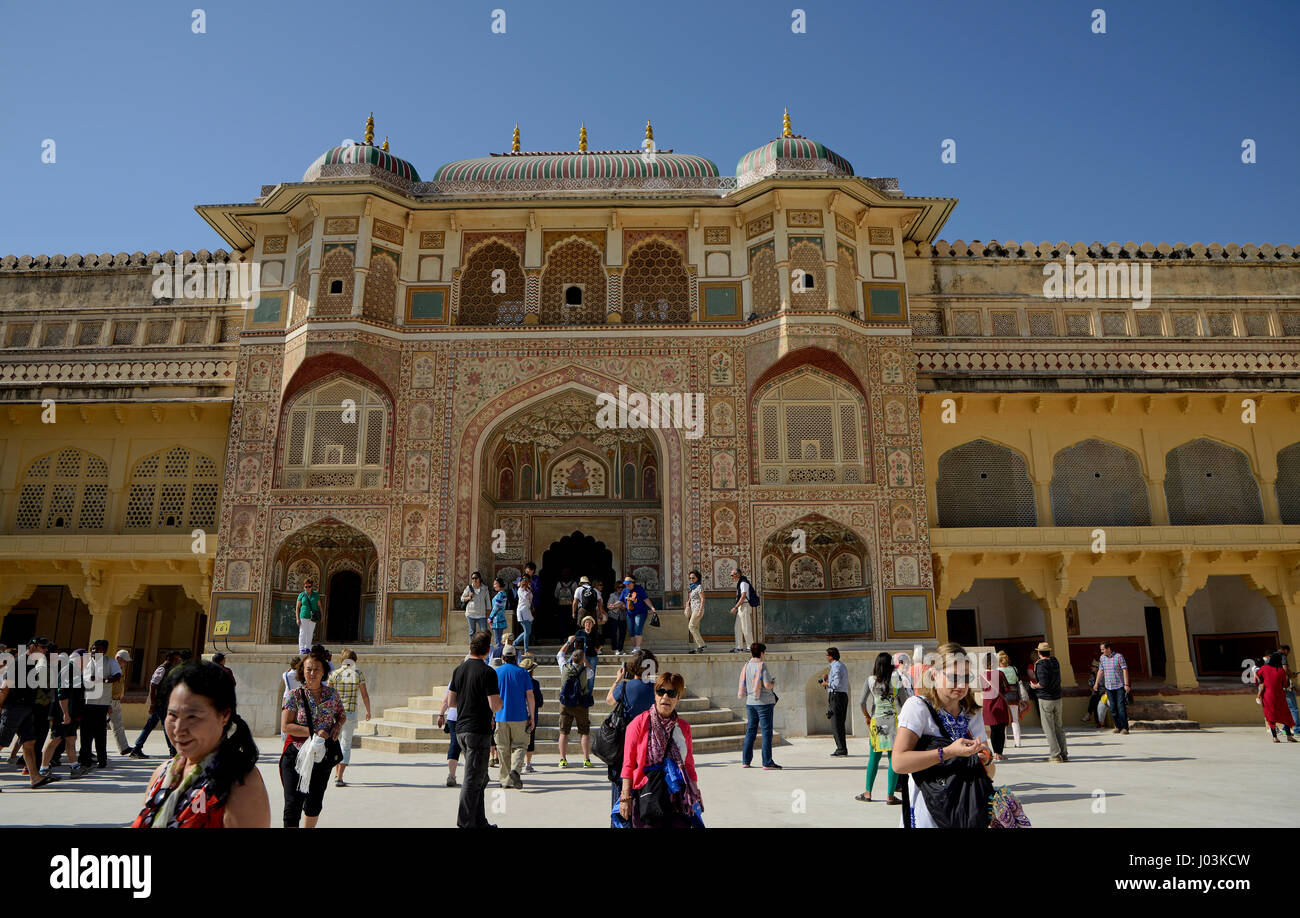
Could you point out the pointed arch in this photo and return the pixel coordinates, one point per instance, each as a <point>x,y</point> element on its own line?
<point>66,489</point>
<point>174,489</point>
<point>982,483</point>
<point>479,303</point>
<point>1211,483</point>
<point>1096,483</point>
<point>656,284</point>
<point>573,261</point>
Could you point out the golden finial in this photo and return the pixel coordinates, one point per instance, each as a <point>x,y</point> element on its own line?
<point>514,143</point>
<point>385,143</point>
<point>370,130</point>
<point>785,125</point>
<point>582,138</point>
<point>649,132</point>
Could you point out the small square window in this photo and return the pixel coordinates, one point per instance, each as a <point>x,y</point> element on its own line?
<point>336,286</point>
<point>573,295</point>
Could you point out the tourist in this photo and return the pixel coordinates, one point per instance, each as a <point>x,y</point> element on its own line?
<point>123,660</point>
<point>528,664</point>
<point>590,638</point>
<point>903,668</point>
<point>447,722</point>
<point>473,693</point>
<point>308,615</point>
<point>220,660</point>
<point>1046,681</point>
<point>743,611</point>
<point>882,696</point>
<point>575,700</point>
<point>695,611</point>
<point>660,786</point>
<point>313,712</point>
<point>349,682</point>
<point>997,713</point>
<point>564,592</point>
<point>155,713</point>
<point>1271,696</point>
<point>616,623</point>
<point>1015,698</point>
<point>516,718</point>
<point>524,611</point>
<point>101,673</point>
<point>289,678</point>
<point>497,618</point>
<point>757,688</point>
<point>945,694</point>
<point>1285,651</point>
<point>476,599</point>
<point>638,606</point>
<point>212,782</point>
<point>637,695</point>
<point>65,715</point>
<point>534,582</point>
<point>1094,698</point>
<point>19,710</point>
<point>586,599</point>
<point>836,683</point>
<point>1113,677</point>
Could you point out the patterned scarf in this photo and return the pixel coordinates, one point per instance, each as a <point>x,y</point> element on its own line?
<point>662,743</point>
<point>175,792</point>
<point>957,725</point>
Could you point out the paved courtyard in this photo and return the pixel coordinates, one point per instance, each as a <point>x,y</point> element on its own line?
<point>1222,776</point>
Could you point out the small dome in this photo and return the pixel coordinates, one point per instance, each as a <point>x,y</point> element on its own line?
<point>790,153</point>
<point>359,153</point>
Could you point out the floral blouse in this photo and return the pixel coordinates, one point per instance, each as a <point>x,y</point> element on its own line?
<point>326,715</point>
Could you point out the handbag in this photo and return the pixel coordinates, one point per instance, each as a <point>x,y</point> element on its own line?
<point>333,748</point>
<point>957,791</point>
<point>607,744</point>
<point>654,800</point>
<point>654,619</point>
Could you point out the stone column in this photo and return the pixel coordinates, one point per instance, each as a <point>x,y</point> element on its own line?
<point>1040,473</point>
<point>313,295</point>
<point>532,295</point>
<point>359,288</point>
<point>828,271</point>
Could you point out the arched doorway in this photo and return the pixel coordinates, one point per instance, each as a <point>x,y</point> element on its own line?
<point>571,557</point>
<point>343,600</point>
<point>816,582</point>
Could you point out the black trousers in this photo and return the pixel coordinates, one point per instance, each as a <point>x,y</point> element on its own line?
<point>94,729</point>
<point>472,813</point>
<point>296,803</point>
<point>999,734</point>
<point>839,706</point>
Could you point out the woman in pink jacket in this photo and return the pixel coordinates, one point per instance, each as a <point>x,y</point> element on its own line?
<point>660,786</point>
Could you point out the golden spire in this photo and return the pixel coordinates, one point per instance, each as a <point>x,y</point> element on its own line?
<point>582,138</point>
<point>514,142</point>
<point>785,125</point>
<point>649,132</point>
<point>370,130</point>
<point>385,143</point>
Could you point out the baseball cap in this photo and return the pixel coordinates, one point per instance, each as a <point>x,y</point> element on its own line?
<point>123,654</point>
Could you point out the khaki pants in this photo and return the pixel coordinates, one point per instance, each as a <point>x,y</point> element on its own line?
<point>693,626</point>
<point>745,626</point>
<point>119,732</point>
<point>512,743</point>
<point>1050,712</point>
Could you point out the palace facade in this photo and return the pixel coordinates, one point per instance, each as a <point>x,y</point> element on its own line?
<point>904,440</point>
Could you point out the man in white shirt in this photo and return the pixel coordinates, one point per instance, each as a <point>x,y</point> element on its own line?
<point>99,672</point>
<point>744,613</point>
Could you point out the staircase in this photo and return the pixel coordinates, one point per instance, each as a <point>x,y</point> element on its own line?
<point>1159,715</point>
<point>413,728</point>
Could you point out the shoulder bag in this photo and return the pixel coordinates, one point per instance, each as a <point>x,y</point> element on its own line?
<point>333,748</point>
<point>607,744</point>
<point>957,791</point>
<point>654,800</point>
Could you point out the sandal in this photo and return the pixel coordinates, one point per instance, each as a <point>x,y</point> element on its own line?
<point>48,779</point>
<point>894,801</point>
<point>863,797</point>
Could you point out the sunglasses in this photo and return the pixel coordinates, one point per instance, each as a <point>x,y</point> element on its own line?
<point>670,692</point>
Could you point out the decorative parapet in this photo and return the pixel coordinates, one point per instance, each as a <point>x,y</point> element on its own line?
<point>134,261</point>
<point>1116,357</point>
<point>1098,251</point>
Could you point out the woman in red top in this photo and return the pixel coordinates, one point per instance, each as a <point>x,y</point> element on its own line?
<point>1272,697</point>
<point>657,756</point>
<point>212,782</point>
<point>996,713</point>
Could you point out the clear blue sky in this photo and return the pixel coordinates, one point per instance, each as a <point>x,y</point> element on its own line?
<point>1061,134</point>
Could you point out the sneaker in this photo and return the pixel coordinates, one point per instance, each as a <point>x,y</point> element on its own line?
<point>125,752</point>
<point>745,765</point>
<point>1055,758</point>
<point>78,771</point>
<point>137,754</point>
<point>530,770</point>
<point>451,782</point>
<point>587,763</point>
<point>339,782</point>
<point>772,767</point>
<point>1124,731</point>
<point>513,780</point>
<point>564,763</point>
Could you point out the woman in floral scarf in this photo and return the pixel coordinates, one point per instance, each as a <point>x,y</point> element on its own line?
<point>660,786</point>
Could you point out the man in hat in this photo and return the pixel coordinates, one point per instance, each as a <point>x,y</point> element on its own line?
<point>1046,680</point>
<point>586,600</point>
<point>123,660</point>
<point>516,717</point>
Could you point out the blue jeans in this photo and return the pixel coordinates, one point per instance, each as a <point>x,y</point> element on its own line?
<point>760,715</point>
<point>527,633</point>
<point>153,721</point>
<point>497,634</point>
<point>1290,703</point>
<point>1118,707</point>
<point>476,624</point>
<point>636,623</point>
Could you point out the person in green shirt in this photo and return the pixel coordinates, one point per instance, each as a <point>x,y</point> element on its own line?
<point>308,613</point>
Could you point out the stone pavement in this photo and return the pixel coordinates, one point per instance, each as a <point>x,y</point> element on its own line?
<point>1228,776</point>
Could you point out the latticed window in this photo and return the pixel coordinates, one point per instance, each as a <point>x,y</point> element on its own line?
<point>926,323</point>
<point>1288,484</point>
<point>966,324</point>
<point>984,484</point>
<point>124,332</point>
<point>195,331</point>
<point>1042,324</point>
<point>807,257</point>
<point>64,490</point>
<point>1291,323</point>
<point>1257,324</point>
<point>1097,484</point>
<point>573,264</point>
<point>88,333</point>
<point>483,298</point>
<point>1220,324</point>
<point>53,335</point>
<point>158,332</point>
<point>656,286</point>
<point>765,280</point>
<point>1207,483</point>
<point>810,429</point>
<point>173,489</point>
<point>336,433</point>
<point>1006,325</point>
<point>1150,324</point>
<point>1186,325</point>
<point>846,281</point>
<point>1114,324</point>
<point>337,279</point>
<point>1078,324</point>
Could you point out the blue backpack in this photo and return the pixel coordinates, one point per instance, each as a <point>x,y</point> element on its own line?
<point>572,696</point>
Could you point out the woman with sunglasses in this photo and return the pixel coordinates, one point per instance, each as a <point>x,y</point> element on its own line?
<point>947,690</point>
<point>660,786</point>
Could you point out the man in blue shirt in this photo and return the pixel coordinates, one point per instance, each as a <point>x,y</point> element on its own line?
<point>837,698</point>
<point>516,718</point>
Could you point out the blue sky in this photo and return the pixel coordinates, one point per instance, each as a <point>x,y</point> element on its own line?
<point>1061,133</point>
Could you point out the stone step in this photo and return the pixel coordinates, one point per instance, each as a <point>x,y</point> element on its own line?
<point>698,731</point>
<point>545,751</point>
<point>1164,724</point>
<point>399,729</point>
<point>702,715</point>
<point>1157,710</point>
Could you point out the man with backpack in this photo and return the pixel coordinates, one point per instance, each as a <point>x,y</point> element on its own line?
<point>575,700</point>
<point>746,602</point>
<point>587,599</point>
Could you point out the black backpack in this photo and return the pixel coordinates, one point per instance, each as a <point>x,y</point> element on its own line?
<point>754,599</point>
<point>956,792</point>
<point>587,598</point>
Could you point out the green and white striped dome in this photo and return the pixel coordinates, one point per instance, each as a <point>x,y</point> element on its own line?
<point>361,153</point>
<point>598,164</point>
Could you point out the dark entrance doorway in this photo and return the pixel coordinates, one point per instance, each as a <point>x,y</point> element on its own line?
<point>962,628</point>
<point>1155,641</point>
<point>574,556</point>
<point>343,614</point>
